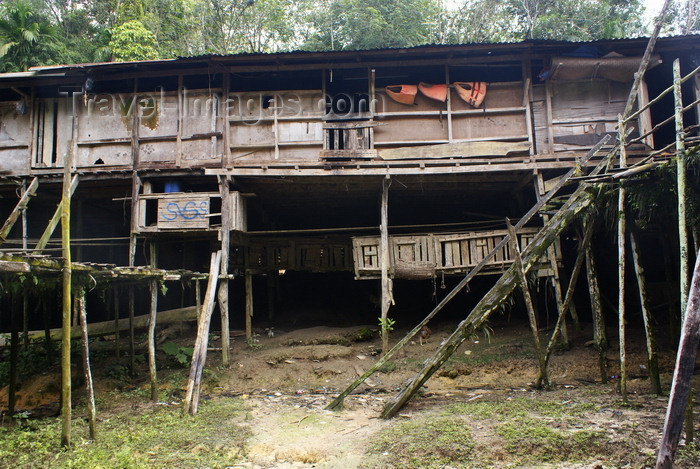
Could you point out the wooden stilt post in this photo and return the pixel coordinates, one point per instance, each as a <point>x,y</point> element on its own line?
<point>554,266</point>
<point>135,189</point>
<point>682,376</point>
<point>682,215</point>
<point>222,297</point>
<point>652,359</point>
<point>599,334</point>
<point>116,322</point>
<point>568,300</point>
<point>199,355</point>
<point>386,292</point>
<point>66,301</point>
<point>248,305</point>
<point>337,403</point>
<point>152,328</point>
<point>89,390</point>
<point>14,352</point>
<point>621,250</point>
<point>515,254</point>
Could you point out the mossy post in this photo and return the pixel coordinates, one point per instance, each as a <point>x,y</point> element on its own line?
<point>621,264</point>
<point>152,371</point>
<point>600,338</point>
<point>89,389</point>
<point>222,297</point>
<point>66,300</point>
<point>568,300</point>
<point>652,359</point>
<point>542,380</point>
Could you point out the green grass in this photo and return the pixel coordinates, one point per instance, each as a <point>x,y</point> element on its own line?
<point>149,436</point>
<point>425,442</point>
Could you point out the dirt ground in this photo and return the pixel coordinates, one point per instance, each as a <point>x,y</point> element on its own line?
<point>287,380</point>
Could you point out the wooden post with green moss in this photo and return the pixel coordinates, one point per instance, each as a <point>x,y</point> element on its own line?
<point>525,288</point>
<point>600,338</point>
<point>621,264</point>
<point>66,301</point>
<point>652,359</point>
<point>387,298</point>
<point>89,389</point>
<point>152,372</point>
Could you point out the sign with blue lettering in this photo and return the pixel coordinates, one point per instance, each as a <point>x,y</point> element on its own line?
<point>176,211</point>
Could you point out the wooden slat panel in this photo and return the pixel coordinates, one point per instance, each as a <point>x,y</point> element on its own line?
<point>177,211</point>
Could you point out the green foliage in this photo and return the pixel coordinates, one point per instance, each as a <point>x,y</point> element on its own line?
<point>386,324</point>
<point>363,334</point>
<point>132,41</point>
<point>181,355</point>
<point>30,360</point>
<point>25,37</point>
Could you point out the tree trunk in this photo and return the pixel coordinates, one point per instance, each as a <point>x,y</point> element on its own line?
<point>89,389</point>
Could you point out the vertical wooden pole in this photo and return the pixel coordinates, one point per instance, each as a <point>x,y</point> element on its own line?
<point>652,359</point>
<point>199,355</point>
<point>386,293</point>
<point>152,328</point>
<point>66,301</point>
<point>621,264</point>
<point>116,321</point>
<point>542,380</point>
<point>89,389</point>
<point>25,297</point>
<point>599,334</point>
<point>248,304</point>
<point>682,218</point>
<point>135,189</point>
<point>225,234</point>
<point>14,349</point>
<point>682,376</point>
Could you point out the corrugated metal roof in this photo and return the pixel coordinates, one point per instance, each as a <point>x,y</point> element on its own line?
<point>324,56</point>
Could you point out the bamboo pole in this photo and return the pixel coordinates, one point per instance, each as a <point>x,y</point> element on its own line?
<point>682,376</point>
<point>542,380</point>
<point>682,216</point>
<point>386,291</point>
<point>621,249</point>
<point>599,334</point>
<point>199,355</point>
<point>66,301</point>
<point>152,372</point>
<point>652,359</point>
<point>337,403</point>
<point>89,389</point>
<point>579,201</point>
<point>222,297</point>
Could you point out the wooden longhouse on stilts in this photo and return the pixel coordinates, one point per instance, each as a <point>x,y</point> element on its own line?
<point>327,175</point>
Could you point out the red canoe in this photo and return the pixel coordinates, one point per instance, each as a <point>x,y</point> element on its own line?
<point>404,94</point>
<point>437,92</point>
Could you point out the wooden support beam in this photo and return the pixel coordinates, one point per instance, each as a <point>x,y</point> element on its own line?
<point>199,355</point>
<point>652,359</point>
<point>387,297</point>
<point>542,380</point>
<point>337,403</point>
<point>152,372</point>
<point>248,304</point>
<point>579,202</point>
<point>14,349</point>
<point>621,263</point>
<point>89,389</point>
<point>599,334</point>
<point>682,376</point>
<point>18,210</point>
<point>568,299</point>
<point>53,223</point>
<point>225,236</point>
<point>66,302</point>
